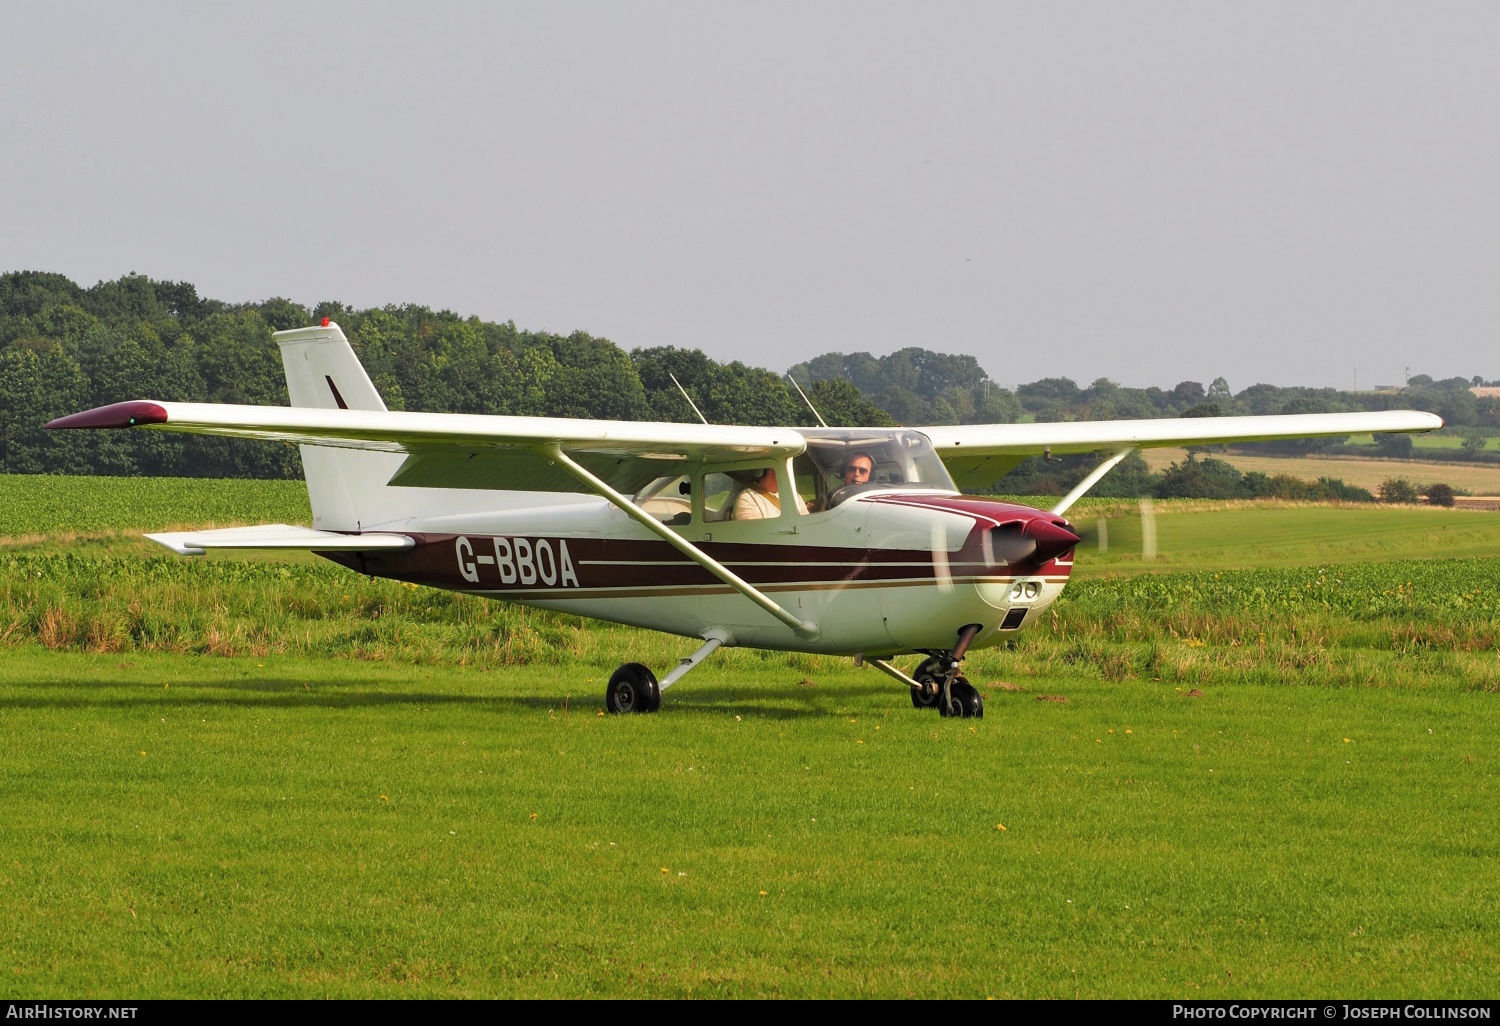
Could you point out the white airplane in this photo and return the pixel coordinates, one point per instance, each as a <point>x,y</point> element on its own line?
<point>857,543</point>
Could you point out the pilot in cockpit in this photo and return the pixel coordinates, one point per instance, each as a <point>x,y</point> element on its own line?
<point>858,468</point>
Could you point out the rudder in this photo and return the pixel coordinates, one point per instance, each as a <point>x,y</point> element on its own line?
<point>322,371</point>
<point>343,485</point>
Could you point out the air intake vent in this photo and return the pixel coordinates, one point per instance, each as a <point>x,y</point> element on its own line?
<point>1013,619</point>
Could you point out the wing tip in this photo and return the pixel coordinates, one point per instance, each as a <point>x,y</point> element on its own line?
<point>116,415</point>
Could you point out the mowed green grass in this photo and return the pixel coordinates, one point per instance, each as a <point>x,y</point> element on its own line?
<point>176,826</point>
<point>223,779</point>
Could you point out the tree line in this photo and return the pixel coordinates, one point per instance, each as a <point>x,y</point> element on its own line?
<point>65,347</point>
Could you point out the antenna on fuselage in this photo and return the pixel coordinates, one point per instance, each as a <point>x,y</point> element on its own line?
<point>808,401</point>
<point>687,397</point>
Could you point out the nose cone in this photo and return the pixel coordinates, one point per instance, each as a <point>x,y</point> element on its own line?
<point>1035,540</point>
<point>1052,540</point>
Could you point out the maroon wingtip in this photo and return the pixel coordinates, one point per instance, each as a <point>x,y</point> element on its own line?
<point>117,415</point>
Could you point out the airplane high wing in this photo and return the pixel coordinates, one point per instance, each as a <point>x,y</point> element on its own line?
<point>978,455</point>
<point>459,450</point>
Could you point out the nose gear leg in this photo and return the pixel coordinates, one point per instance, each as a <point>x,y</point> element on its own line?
<point>959,697</point>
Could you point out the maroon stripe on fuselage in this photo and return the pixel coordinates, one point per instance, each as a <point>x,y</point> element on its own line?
<point>606,563</point>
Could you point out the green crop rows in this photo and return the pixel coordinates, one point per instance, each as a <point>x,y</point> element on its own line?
<point>35,504</point>
<point>1353,623</point>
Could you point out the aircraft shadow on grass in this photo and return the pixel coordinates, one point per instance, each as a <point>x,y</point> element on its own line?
<point>791,702</point>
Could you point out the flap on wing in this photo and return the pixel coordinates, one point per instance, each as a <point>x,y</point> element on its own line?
<point>277,536</point>
<point>520,470</point>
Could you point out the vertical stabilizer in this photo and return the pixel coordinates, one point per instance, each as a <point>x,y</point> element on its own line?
<point>345,486</point>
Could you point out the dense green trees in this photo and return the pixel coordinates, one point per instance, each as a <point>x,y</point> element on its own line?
<point>64,348</point>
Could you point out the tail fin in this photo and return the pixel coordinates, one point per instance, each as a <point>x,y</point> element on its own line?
<point>322,371</point>
<point>344,485</point>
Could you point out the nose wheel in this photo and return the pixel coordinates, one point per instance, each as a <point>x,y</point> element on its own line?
<point>937,684</point>
<point>964,701</point>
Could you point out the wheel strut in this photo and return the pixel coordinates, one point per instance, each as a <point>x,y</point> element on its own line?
<point>634,688</point>
<point>946,705</point>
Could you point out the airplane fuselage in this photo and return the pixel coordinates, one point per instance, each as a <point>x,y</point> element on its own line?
<point>885,572</point>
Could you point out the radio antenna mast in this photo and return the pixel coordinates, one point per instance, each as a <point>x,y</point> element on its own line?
<point>687,397</point>
<point>808,401</point>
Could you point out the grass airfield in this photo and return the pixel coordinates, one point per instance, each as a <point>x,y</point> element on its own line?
<point>184,826</point>
<point>426,801</point>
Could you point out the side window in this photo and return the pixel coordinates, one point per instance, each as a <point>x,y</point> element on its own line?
<point>808,480</point>
<point>750,494</point>
<point>668,499</point>
<point>718,496</point>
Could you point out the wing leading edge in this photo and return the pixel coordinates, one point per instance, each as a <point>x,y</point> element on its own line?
<point>473,450</point>
<point>460,450</point>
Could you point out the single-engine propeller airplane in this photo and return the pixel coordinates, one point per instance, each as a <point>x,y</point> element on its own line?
<point>844,541</point>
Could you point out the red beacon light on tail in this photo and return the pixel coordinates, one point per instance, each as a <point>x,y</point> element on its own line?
<point>325,323</point>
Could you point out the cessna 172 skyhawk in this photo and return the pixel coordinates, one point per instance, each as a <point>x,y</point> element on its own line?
<point>860,543</point>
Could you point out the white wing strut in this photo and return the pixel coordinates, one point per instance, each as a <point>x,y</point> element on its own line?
<point>1081,489</point>
<point>803,628</point>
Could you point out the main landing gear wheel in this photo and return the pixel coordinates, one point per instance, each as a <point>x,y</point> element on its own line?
<point>930,676</point>
<point>930,691</point>
<point>632,689</point>
<point>964,700</point>
<point>926,696</point>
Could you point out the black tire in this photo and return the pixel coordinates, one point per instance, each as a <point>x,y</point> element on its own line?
<point>632,689</point>
<point>964,701</point>
<point>932,667</point>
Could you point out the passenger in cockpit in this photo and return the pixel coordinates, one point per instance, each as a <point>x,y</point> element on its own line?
<point>758,500</point>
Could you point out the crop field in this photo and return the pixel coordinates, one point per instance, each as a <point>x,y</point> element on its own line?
<point>1477,479</point>
<point>1263,765</point>
<point>1193,534</point>
<point>37,506</point>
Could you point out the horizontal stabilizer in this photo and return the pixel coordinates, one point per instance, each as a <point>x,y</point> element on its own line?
<point>277,536</point>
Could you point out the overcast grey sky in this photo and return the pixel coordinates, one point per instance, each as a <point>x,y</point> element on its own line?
<point>1148,192</point>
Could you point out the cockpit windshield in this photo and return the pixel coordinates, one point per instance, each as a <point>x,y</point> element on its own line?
<point>840,462</point>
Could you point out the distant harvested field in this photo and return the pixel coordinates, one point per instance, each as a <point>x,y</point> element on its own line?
<point>1477,480</point>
